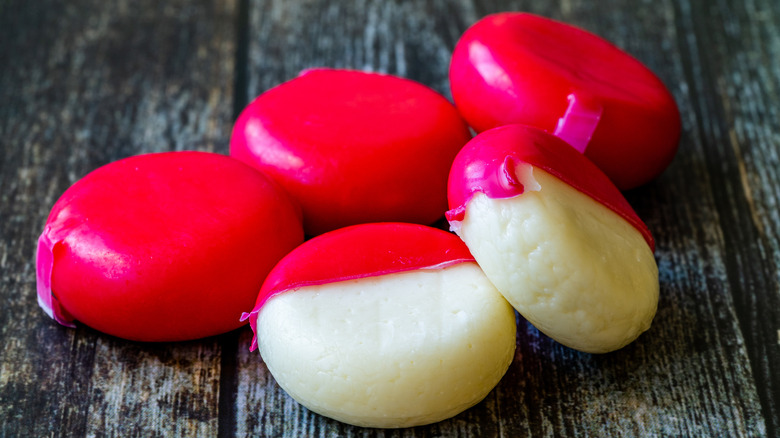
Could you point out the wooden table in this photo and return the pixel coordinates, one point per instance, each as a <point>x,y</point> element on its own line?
<point>86,82</point>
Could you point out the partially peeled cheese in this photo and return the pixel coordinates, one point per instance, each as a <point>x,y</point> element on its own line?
<point>409,332</point>
<point>555,237</point>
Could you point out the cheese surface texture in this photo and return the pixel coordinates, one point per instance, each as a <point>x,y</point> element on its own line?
<point>572,267</point>
<point>396,350</point>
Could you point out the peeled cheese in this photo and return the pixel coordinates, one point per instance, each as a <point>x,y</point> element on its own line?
<point>572,267</point>
<point>396,350</point>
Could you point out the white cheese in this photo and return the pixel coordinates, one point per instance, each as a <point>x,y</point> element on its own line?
<point>396,350</point>
<point>572,267</point>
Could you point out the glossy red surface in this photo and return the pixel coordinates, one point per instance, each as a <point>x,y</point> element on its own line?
<point>487,164</point>
<point>359,251</point>
<point>164,247</point>
<point>522,68</point>
<point>354,147</point>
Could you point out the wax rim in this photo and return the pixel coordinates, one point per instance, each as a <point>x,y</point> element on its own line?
<point>380,249</point>
<point>486,164</point>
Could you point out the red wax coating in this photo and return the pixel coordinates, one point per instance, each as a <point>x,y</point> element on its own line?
<point>354,147</point>
<point>359,251</point>
<point>164,247</point>
<point>521,68</point>
<point>487,164</point>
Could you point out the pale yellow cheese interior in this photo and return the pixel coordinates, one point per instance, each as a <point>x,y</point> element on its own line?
<point>396,350</point>
<point>575,269</point>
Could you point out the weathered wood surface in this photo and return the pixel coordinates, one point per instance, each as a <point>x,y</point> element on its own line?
<point>85,82</point>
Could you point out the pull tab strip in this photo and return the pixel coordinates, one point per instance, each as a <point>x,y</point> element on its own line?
<point>44,265</point>
<point>578,124</point>
<point>252,317</point>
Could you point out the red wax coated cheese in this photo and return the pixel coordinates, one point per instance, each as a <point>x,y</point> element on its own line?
<point>163,247</point>
<point>354,147</point>
<point>383,325</point>
<point>521,68</point>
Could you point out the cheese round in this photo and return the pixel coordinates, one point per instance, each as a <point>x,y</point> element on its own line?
<point>575,269</point>
<point>163,247</point>
<point>353,147</point>
<point>395,350</point>
<point>523,68</point>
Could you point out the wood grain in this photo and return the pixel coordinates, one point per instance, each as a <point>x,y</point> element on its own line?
<point>730,102</point>
<point>84,83</point>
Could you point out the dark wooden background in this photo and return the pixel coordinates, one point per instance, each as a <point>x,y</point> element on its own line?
<point>86,82</point>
